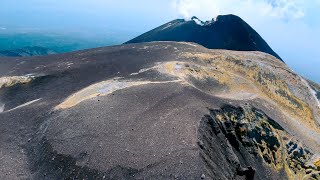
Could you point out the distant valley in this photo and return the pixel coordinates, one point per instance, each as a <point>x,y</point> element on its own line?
<point>17,43</point>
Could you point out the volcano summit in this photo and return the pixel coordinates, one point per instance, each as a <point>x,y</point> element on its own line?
<point>225,32</point>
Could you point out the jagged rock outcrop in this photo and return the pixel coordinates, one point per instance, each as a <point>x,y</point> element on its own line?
<point>316,88</point>
<point>14,80</point>
<point>249,137</point>
<point>160,110</point>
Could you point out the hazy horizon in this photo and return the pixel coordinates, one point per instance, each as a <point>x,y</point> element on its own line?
<point>291,28</point>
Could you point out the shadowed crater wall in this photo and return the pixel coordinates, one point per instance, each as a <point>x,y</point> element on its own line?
<point>242,142</point>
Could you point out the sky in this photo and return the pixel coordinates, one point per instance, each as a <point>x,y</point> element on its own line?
<point>291,27</point>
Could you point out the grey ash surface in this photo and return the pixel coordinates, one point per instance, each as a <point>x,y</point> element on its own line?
<point>142,132</point>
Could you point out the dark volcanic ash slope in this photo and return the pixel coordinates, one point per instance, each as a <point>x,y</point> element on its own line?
<point>225,32</point>
<point>162,110</point>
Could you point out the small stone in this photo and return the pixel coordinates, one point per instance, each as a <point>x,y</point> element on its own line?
<point>299,167</point>
<point>203,176</point>
<point>308,171</point>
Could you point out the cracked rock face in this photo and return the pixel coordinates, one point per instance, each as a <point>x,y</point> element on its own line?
<point>246,138</point>
<point>162,110</point>
<point>316,89</point>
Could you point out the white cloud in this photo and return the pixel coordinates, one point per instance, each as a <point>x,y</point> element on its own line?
<point>207,9</point>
